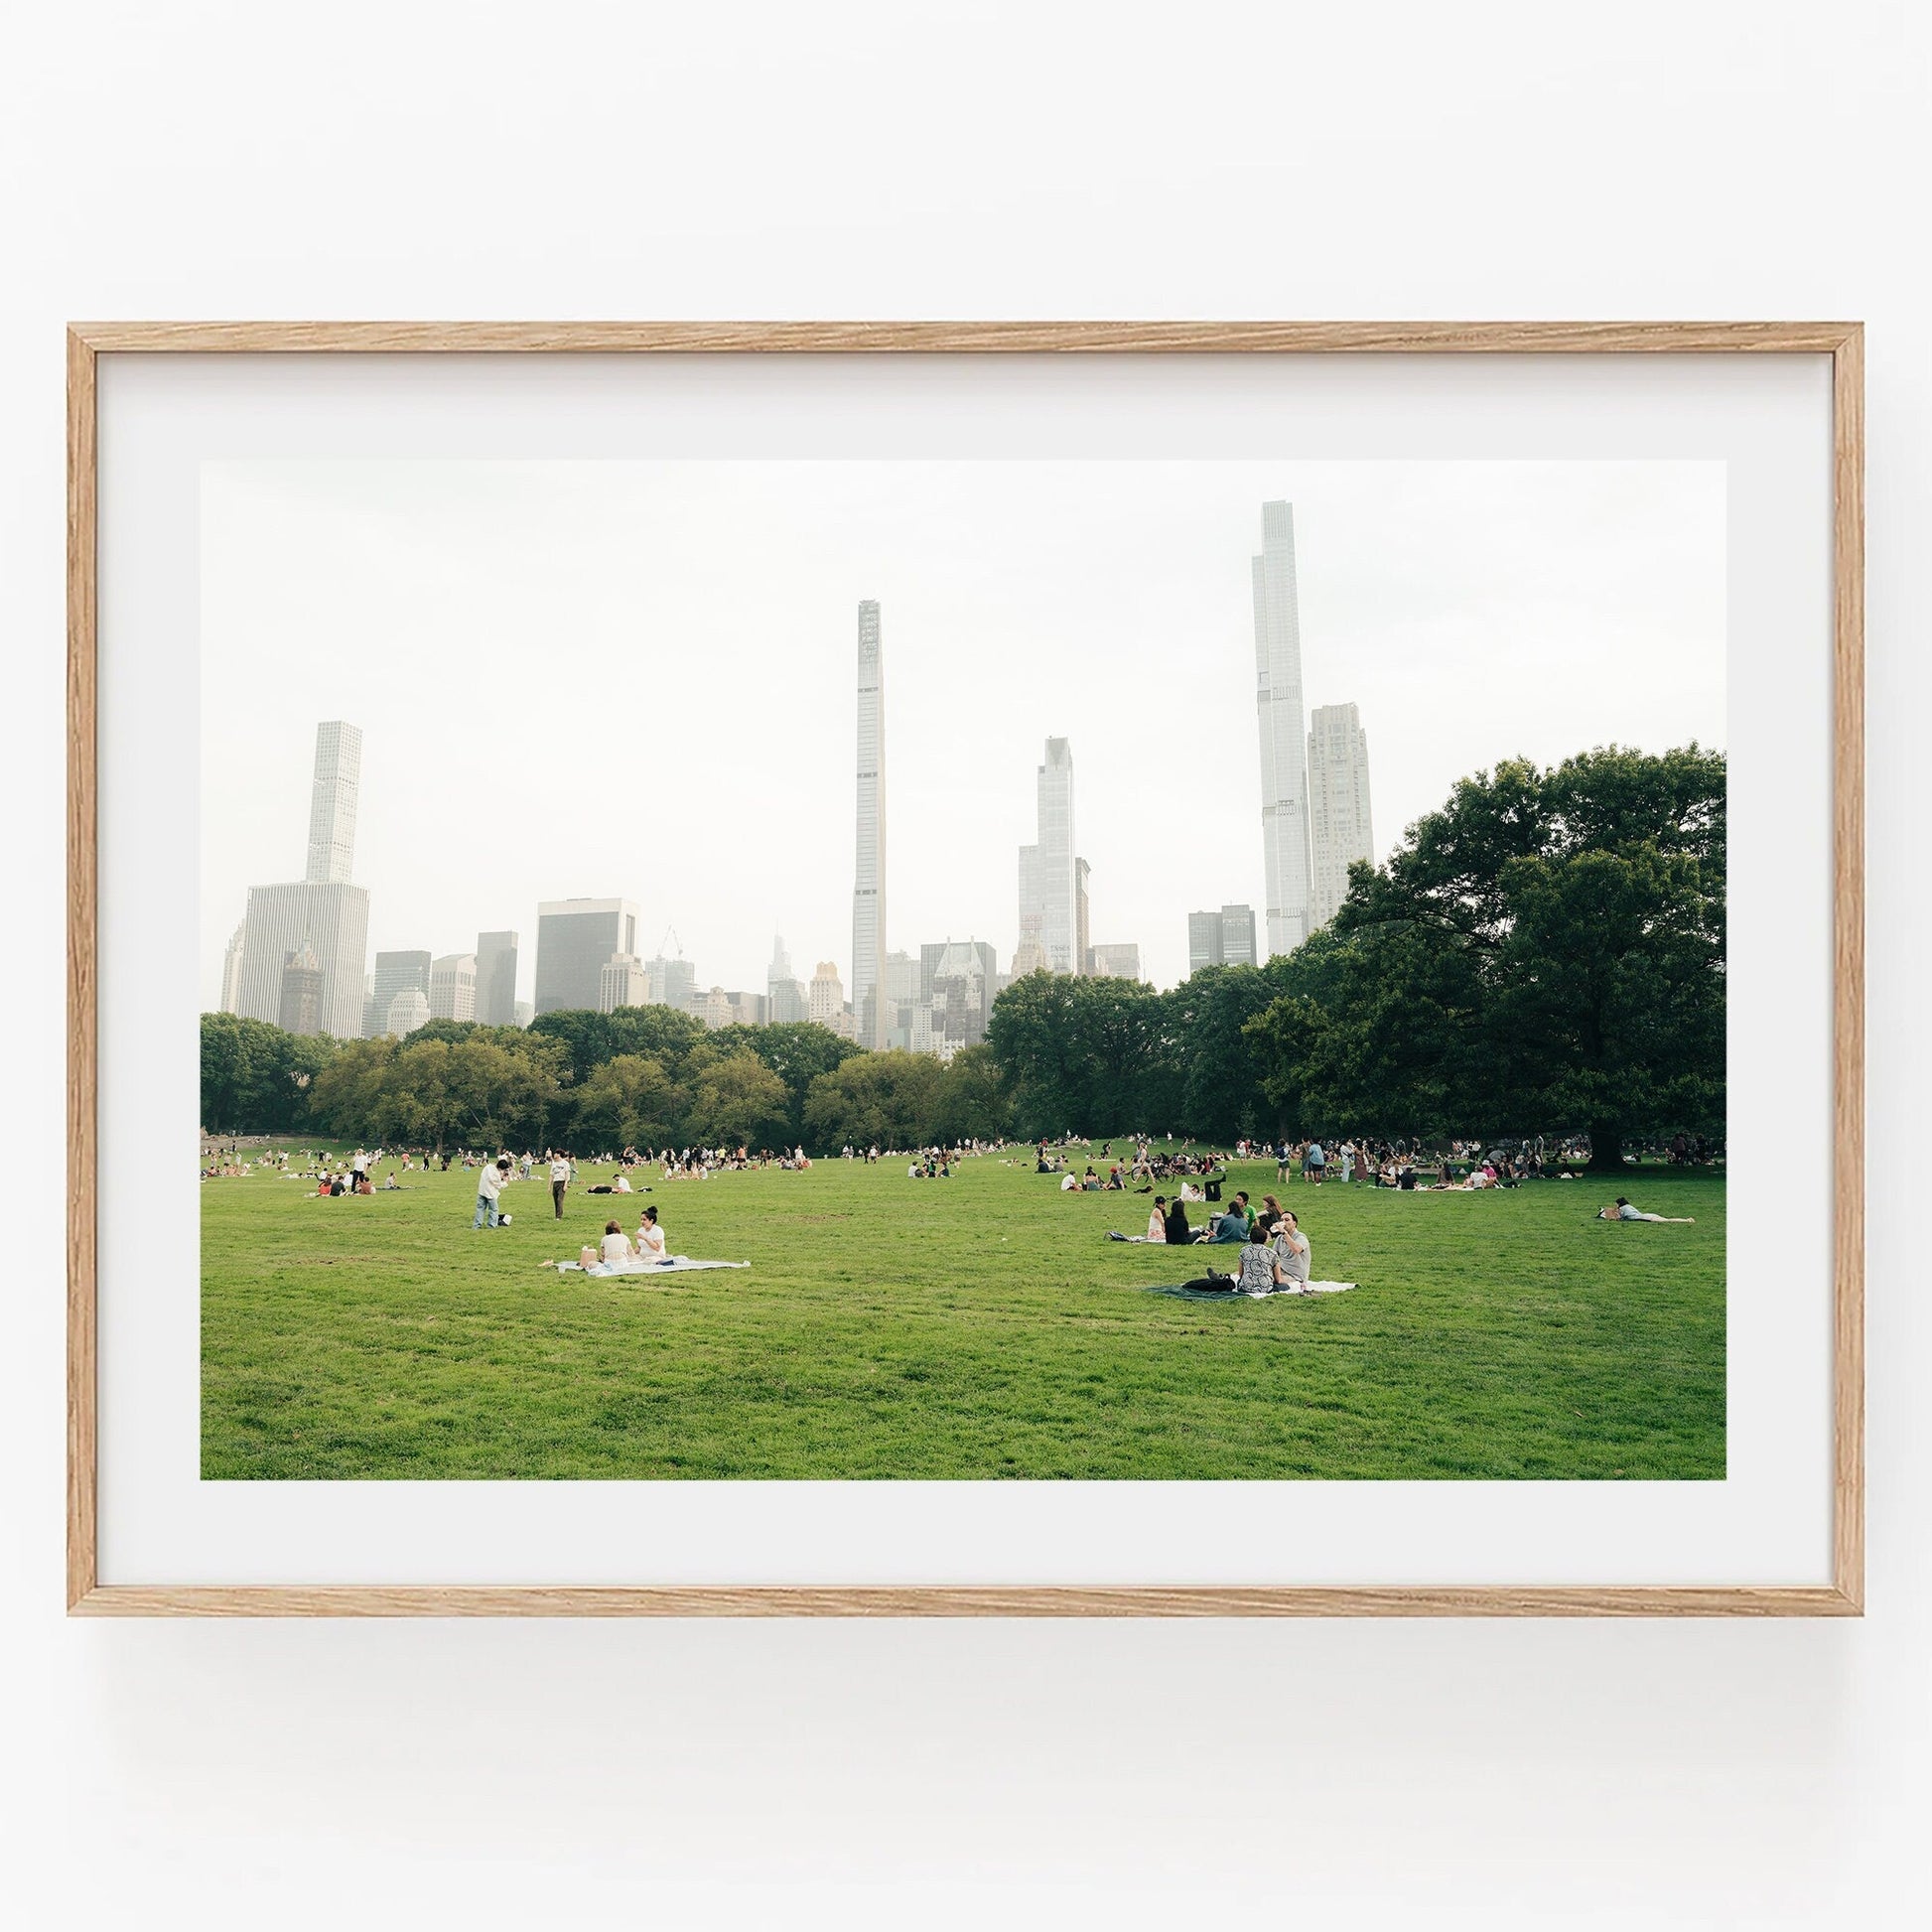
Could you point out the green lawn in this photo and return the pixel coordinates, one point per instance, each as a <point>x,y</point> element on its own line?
<point>973,1327</point>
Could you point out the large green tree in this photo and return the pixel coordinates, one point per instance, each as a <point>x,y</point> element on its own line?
<point>629,1101</point>
<point>738,1101</point>
<point>256,1078</point>
<point>1544,954</point>
<point>1218,1095</point>
<point>891,1100</point>
<point>797,1051</point>
<point>1084,1055</point>
<point>974,1102</point>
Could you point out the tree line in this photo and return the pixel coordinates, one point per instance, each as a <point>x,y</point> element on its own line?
<point>641,1076</point>
<point>1544,956</point>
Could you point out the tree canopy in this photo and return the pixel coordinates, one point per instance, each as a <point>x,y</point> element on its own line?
<point>1544,954</point>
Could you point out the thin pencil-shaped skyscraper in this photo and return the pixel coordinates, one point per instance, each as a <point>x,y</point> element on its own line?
<point>1283,766</point>
<point>868,1004</point>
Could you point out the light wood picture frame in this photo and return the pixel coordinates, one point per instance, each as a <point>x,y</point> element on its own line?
<point>1841,342</point>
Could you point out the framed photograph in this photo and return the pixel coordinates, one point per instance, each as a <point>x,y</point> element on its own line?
<point>927,968</point>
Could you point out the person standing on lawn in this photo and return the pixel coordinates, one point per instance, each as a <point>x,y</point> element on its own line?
<point>559,1179</point>
<point>491,1182</point>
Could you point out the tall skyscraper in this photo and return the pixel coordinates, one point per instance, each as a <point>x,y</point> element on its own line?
<point>1223,939</point>
<point>322,910</point>
<point>1049,911</point>
<point>497,979</point>
<point>231,970</point>
<point>453,986</point>
<point>1118,962</point>
<point>1338,822</point>
<point>869,872</point>
<point>395,972</point>
<point>1082,919</point>
<point>332,803</point>
<point>785,996</point>
<point>1283,766</point>
<point>574,936</point>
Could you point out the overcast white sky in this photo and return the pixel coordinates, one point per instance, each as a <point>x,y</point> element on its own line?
<point>636,678</point>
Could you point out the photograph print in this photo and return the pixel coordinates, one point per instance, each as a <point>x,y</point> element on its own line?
<point>962,970</point>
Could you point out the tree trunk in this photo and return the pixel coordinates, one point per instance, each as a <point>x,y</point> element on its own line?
<point>1605,1148</point>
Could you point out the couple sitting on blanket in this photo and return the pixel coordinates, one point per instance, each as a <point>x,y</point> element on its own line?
<point>616,1247</point>
<point>1280,1266</point>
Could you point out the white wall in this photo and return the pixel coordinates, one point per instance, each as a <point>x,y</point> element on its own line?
<point>1663,158</point>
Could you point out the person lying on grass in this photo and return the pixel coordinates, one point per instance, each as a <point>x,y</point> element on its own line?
<point>1621,1211</point>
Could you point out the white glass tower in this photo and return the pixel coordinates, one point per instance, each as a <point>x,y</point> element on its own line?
<point>1050,882</point>
<point>868,1005</point>
<point>1338,824</point>
<point>332,803</point>
<point>1284,769</point>
<point>322,910</point>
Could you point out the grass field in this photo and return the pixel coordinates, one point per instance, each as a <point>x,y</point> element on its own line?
<point>973,1327</point>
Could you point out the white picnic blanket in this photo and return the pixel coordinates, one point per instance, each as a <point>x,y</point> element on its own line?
<point>670,1265</point>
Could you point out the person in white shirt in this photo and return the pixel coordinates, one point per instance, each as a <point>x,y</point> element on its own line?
<point>559,1181</point>
<point>491,1182</point>
<point>615,1245</point>
<point>621,1184</point>
<point>651,1237</point>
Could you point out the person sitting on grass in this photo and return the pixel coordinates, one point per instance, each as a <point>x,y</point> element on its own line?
<point>1262,1272</point>
<point>1623,1211</point>
<point>1232,1226</point>
<point>614,1247</point>
<point>651,1237</point>
<point>1069,1182</point>
<point>1292,1245</point>
<point>1156,1220</point>
<point>1178,1233</point>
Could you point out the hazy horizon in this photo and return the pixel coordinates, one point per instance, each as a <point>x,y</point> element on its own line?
<point>636,679</point>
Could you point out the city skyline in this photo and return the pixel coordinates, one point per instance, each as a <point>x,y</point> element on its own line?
<point>1028,599</point>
